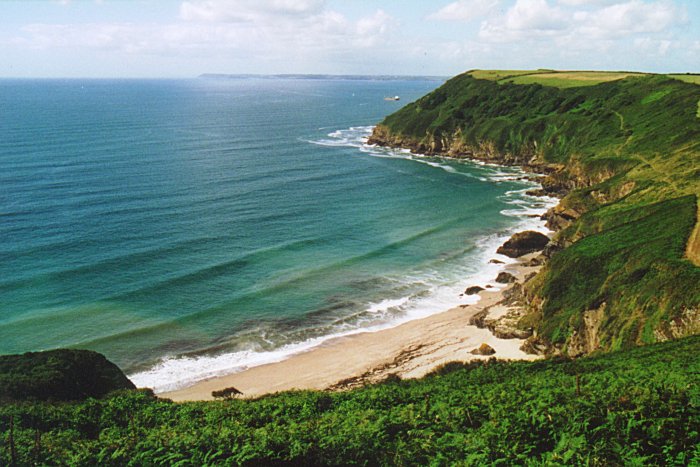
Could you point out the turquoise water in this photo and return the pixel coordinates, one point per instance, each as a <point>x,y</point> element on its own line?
<point>196,227</point>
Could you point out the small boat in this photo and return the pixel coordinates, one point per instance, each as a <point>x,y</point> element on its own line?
<point>392,98</point>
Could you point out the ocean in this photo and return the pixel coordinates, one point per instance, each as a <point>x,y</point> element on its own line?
<point>192,228</point>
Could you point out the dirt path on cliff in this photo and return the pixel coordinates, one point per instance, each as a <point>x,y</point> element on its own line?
<point>692,251</point>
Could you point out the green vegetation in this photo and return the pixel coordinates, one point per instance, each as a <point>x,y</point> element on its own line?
<point>558,79</point>
<point>687,77</point>
<point>638,407</point>
<point>626,152</point>
<point>497,75</point>
<point>633,266</point>
<point>571,79</point>
<point>59,375</point>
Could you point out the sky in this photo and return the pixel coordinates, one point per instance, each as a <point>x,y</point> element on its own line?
<point>176,38</point>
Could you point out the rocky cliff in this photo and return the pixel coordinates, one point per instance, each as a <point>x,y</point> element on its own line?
<point>624,157</point>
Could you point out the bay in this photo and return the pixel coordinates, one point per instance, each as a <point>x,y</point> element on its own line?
<point>186,228</point>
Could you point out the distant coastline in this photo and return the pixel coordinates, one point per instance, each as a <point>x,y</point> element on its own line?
<point>324,77</point>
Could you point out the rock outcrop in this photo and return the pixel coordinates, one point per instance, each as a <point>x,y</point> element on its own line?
<point>483,349</point>
<point>586,339</point>
<point>523,243</point>
<point>505,278</point>
<point>475,289</point>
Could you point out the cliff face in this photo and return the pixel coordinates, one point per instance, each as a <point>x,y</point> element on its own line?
<point>452,145</point>
<point>624,157</point>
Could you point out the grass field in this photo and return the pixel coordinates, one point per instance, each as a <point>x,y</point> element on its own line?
<point>688,78</point>
<point>570,79</point>
<point>561,79</point>
<point>497,75</point>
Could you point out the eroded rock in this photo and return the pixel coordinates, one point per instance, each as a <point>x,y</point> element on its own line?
<point>483,349</point>
<point>523,243</point>
<point>505,278</point>
<point>474,289</point>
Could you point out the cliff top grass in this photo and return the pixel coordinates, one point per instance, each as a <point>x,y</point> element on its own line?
<point>687,77</point>
<point>566,79</point>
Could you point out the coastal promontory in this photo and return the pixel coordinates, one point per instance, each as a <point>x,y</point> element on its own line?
<point>622,151</point>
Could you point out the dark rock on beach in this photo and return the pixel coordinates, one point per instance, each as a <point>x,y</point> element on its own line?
<point>483,349</point>
<point>505,278</point>
<point>475,289</point>
<point>523,243</point>
<point>479,319</point>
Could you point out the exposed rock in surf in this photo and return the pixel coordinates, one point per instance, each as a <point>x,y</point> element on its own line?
<point>536,192</point>
<point>475,289</point>
<point>523,243</point>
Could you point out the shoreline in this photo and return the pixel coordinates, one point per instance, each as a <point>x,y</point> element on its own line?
<point>410,350</point>
<point>485,300</point>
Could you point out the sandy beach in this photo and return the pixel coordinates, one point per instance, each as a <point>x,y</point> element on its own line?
<point>409,350</point>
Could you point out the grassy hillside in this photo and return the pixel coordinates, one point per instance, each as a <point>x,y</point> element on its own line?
<point>559,79</point>
<point>625,151</point>
<point>639,407</point>
<point>687,77</point>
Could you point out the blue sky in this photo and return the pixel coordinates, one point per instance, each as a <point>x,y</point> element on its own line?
<point>178,38</point>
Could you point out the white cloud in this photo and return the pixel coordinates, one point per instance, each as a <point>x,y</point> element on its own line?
<point>279,36</point>
<point>284,35</point>
<point>247,10</point>
<point>588,2</point>
<point>378,23</point>
<point>527,19</point>
<point>124,37</point>
<point>537,19</point>
<point>464,10</point>
<point>535,15</point>
<point>371,29</point>
<point>633,17</point>
<point>653,46</point>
